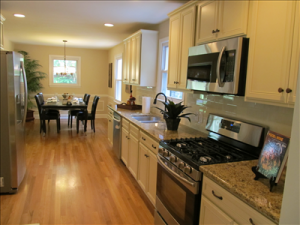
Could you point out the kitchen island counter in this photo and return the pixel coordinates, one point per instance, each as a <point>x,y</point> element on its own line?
<point>238,179</point>
<point>159,130</point>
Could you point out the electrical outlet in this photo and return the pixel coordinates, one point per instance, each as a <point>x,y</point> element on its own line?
<point>1,181</point>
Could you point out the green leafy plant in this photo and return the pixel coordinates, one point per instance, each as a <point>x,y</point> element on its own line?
<point>174,111</point>
<point>33,77</point>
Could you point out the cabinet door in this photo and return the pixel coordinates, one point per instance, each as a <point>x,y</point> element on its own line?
<point>174,51</point>
<point>133,156</point>
<point>270,50</point>
<point>143,167</point>
<point>232,18</point>
<point>207,19</point>
<point>152,175</point>
<point>136,59</point>
<point>124,152</point>
<point>211,214</point>
<point>126,61</point>
<point>110,129</point>
<point>187,40</point>
<point>295,65</point>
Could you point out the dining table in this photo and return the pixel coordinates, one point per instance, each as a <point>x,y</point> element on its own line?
<point>58,105</point>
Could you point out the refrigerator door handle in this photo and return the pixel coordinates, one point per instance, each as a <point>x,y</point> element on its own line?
<point>26,92</point>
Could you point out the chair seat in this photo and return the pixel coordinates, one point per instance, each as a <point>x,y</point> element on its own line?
<point>80,116</point>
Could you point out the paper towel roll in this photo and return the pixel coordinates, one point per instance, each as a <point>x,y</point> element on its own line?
<point>146,102</point>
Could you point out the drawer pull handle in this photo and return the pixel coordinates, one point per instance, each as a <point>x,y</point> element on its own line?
<point>144,139</point>
<point>147,155</point>
<point>153,147</point>
<point>219,197</point>
<point>251,221</point>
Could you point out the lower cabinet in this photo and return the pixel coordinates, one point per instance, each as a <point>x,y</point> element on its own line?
<point>125,141</point>
<point>133,155</point>
<point>218,206</point>
<point>211,214</point>
<point>110,128</point>
<point>147,172</point>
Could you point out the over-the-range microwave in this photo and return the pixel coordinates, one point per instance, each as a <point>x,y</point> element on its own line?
<point>219,67</point>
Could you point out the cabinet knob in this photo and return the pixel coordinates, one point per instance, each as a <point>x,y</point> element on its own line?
<point>288,90</point>
<point>133,79</point>
<point>125,79</point>
<point>280,90</point>
<point>213,31</point>
<point>217,30</point>
<point>153,147</point>
<point>144,139</point>
<point>251,221</point>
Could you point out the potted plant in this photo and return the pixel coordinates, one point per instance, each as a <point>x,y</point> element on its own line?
<point>34,78</point>
<point>173,113</point>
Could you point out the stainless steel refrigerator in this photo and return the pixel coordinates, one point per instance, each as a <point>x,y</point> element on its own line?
<point>13,103</point>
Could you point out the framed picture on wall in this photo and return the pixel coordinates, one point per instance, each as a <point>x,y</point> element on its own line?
<point>110,75</point>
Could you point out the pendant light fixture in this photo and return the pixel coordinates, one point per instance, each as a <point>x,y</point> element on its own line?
<point>65,58</point>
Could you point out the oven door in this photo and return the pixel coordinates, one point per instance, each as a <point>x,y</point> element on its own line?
<point>178,193</point>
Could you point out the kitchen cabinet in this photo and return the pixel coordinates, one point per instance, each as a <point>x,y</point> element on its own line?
<point>139,58</point>
<point>130,143</point>
<point>221,19</point>
<point>273,53</point>
<point>125,141</point>
<point>148,166</point>
<point>211,214</point>
<point>181,37</point>
<point>110,118</point>
<point>221,207</point>
<point>133,150</point>
<point>2,19</point>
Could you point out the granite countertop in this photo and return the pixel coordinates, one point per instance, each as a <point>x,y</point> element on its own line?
<point>238,179</point>
<point>159,130</point>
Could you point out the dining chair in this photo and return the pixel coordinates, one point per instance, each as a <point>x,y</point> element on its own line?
<point>72,113</point>
<point>46,115</point>
<point>91,116</point>
<point>43,101</point>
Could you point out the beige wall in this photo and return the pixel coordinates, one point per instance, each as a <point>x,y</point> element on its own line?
<point>7,44</point>
<point>94,71</point>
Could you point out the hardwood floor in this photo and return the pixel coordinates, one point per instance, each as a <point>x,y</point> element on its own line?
<point>75,179</point>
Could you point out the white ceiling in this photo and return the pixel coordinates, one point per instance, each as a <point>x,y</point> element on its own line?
<point>81,22</point>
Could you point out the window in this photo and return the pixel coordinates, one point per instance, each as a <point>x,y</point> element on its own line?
<point>163,72</point>
<point>64,75</point>
<point>118,79</point>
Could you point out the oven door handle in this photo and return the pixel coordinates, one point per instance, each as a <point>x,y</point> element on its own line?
<point>221,83</point>
<point>173,173</point>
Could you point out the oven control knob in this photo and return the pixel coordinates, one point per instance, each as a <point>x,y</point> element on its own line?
<point>187,169</point>
<point>173,158</point>
<point>181,165</point>
<point>166,153</point>
<point>160,150</point>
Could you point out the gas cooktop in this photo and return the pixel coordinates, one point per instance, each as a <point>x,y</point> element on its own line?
<point>228,141</point>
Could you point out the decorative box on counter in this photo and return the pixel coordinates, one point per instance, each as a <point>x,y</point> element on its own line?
<point>130,107</point>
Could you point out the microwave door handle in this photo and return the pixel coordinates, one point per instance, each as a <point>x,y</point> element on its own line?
<point>219,67</point>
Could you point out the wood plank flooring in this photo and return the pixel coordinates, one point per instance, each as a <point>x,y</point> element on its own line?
<point>74,179</point>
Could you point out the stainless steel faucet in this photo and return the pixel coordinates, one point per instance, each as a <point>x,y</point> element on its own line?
<point>166,99</point>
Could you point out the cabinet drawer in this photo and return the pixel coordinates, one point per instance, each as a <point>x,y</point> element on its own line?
<point>110,112</point>
<point>231,205</point>
<point>149,142</point>
<point>125,124</point>
<point>134,131</point>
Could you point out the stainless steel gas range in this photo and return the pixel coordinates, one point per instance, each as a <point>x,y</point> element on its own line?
<point>179,180</point>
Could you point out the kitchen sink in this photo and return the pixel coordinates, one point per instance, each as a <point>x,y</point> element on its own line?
<point>147,118</point>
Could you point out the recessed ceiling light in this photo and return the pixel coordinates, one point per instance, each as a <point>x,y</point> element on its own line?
<point>108,25</point>
<point>19,15</point>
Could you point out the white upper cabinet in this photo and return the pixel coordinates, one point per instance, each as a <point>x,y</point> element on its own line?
<point>221,19</point>
<point>2,19</point>
<point>273,53</point>
<point>140,56</point>
<point>181,38</point>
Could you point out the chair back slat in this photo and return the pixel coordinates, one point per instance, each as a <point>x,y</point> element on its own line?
<point>86,99</point>
<point>38,103</point>
<point>41,96</point>
<point>94,106</point>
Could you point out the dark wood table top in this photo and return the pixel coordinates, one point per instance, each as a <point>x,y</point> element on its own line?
<point>60,106</point>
